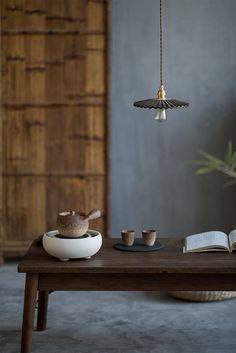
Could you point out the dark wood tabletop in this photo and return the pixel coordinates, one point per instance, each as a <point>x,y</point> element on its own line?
<point>109,260</point>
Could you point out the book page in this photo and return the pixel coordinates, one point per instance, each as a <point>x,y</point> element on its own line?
<point>232,239</point>
<point>209,240</point>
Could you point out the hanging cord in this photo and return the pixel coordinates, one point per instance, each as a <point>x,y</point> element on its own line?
<point>161,43</point>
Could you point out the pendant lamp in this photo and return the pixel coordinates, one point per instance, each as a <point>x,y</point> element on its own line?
<point>161,103</point>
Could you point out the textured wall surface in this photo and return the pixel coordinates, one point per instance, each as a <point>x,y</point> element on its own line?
<point>152,183</point>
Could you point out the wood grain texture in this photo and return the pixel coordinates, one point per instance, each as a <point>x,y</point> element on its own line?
<point>31,286</point>
<point>1,160</point>
<point>170,260</point>
<point>54,112</point>
<point>24,212</point>
<point>138,282</point>
<point>42,310</point>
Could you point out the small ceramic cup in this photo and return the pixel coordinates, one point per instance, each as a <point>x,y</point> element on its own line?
<point>128,236</point>
<point>149,237</point>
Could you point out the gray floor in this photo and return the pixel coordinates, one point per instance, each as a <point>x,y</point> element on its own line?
<point>127,322</point>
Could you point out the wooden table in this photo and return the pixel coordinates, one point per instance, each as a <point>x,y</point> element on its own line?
<point>166,270</point>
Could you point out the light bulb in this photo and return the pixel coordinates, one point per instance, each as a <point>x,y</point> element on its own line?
<point>160,115</point>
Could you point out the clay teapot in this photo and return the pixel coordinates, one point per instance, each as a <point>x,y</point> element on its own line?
<point>72,224</point>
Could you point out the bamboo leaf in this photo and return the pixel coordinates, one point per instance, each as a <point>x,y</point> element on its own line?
<point>210,163</point>
<point>205,170</point>
<point>201,162</point>
<point>210,157</point>
<point>234,160</point>
<point>229,153</point>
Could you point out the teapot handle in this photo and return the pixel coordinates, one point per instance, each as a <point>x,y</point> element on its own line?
<point>94,214</point>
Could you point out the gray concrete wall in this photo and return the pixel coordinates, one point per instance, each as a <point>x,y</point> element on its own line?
<point>152,183</point>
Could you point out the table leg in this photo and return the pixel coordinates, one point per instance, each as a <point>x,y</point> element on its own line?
<point>42,310</point>
<point>31,287</point>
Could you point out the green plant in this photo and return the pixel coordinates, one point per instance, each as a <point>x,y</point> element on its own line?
<point>210,163</point>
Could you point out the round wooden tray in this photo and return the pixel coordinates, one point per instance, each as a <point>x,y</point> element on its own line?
<point>138,246</point>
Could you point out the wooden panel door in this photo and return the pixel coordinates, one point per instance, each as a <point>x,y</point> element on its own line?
<point>54,115</point>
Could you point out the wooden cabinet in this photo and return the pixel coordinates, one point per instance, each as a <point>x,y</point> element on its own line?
<point>54,125</point>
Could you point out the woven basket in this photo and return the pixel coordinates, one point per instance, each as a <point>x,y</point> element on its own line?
<point>201,296</point>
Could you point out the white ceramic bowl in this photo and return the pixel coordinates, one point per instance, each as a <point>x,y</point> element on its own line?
<point>67,248</point>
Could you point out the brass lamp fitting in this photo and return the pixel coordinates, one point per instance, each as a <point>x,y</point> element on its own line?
<point>161,94</point>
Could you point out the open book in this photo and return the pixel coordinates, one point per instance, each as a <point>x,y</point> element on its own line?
<point>210,241</point>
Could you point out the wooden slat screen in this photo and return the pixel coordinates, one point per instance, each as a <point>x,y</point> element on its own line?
<point>54,114</point>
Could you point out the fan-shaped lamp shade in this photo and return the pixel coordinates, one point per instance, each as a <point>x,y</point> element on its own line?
<point>161,103</point>
<point>157,103</point>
